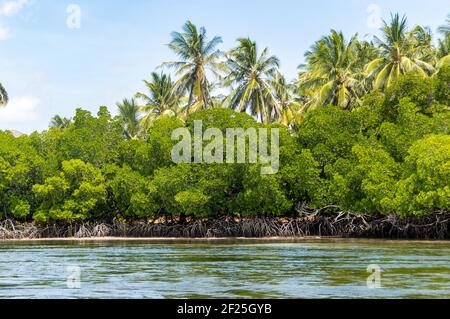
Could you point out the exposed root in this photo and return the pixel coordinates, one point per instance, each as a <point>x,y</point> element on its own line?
<point>8,230</point>
<point>317,223</point>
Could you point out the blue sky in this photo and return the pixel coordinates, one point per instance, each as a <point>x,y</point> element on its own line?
<point>49,68</point>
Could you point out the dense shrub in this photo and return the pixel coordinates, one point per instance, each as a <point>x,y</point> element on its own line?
<point>425,185</point>
<point>73,194</point>
<point>390,155</point>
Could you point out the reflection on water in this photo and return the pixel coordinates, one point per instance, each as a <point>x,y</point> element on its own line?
<point>235,269</point>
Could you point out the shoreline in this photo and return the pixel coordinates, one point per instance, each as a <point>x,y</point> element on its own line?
<point>222,240</point>
<point>167,239</point>
<point>319,225</point>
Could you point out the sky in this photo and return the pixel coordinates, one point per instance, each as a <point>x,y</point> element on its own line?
<point>56,56</point>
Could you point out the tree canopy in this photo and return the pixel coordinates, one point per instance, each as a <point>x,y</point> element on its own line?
<point>365,128</point>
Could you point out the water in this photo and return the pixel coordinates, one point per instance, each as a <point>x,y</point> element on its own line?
<point>218,269</point>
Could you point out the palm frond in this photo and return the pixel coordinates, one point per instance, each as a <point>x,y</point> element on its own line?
<point>3,96</point>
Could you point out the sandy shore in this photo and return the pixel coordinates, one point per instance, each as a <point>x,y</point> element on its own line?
<point>163,239</point>
<point>231,240</point>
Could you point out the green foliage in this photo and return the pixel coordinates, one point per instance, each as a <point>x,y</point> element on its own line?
<point>89,139</point>
<point>20,209</point>
<point>410,125</point>
<point>402,51</point>
<point>130,193</point>
<point>442,85</point>
<point>222,119</point>
<point>73,194</point>
<point>330,133</point>
<point>334,68</point>
<point>163,99</point>
<point>20,168</point>
<point>249,74</point>
<point>160,141</point>
<point>261,194</point>
<point>425,185</point>
<point>135,154</point>
<point>196,55</point>
<point>363,182</point>
<point>300,178</point>
<point>143,204</point>
<point>193,202</point>
<point>389,155</point>
<point>417,89</point>
<point>171,181</point>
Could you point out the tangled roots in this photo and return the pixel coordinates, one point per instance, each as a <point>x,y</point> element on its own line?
<point>343,224</point>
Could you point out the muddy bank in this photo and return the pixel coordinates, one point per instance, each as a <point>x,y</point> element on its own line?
<point>347,225</point>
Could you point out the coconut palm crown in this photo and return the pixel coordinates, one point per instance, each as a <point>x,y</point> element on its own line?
<point>198,57</point>
<point>400,53</point>
<point>249,77</point>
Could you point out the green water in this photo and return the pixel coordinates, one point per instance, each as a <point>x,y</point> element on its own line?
<point>217,269</point>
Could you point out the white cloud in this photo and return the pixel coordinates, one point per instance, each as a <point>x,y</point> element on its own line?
<point>11,7</point>
<point>5,33</point>
<point>20,110</point>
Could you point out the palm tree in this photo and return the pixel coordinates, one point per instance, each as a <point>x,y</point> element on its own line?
<point>333,70</point>
<point>197,57</point>
<point>249,76</point>
<point>163,98</point>
<point>60,122</point>
<point>3,96</point>
<point>365,52</point>
<point>443,53</point>
<point>291,108</point>
<point>445,29</point>
<point>401,52</point>
<point>422,38</point>
<point>129,112</point>
<point>443,48</point>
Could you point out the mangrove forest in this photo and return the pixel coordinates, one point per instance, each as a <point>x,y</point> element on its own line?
<point>364,146</point>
